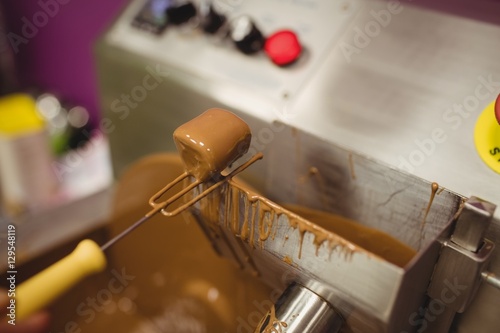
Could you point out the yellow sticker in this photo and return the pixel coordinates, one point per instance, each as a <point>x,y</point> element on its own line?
<point>487,137</point>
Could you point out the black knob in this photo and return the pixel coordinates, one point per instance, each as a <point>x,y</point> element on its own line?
<point>212,21</point>
<point>246,36</point>
<point>182,13</point>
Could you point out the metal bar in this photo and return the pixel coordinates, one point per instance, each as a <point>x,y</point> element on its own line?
<point>125,233</point>
<point>491,278</point>
<point>301,310</point>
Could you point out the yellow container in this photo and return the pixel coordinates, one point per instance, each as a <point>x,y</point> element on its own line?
<point>27,180</point>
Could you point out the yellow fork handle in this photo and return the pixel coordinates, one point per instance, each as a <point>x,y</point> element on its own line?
<point>40,290</point>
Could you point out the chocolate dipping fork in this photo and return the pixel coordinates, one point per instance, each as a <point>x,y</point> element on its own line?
<point>207,144</point>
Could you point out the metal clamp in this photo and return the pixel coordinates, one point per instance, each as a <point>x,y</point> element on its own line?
<point>472,224</point>
<point>462,263</point>
<point>457,276</point>
<point>464,257</point>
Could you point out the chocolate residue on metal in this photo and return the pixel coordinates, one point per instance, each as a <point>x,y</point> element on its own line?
<point>313,173</point>
<point>295,221</point>
<point>288,260</point>
<point>251,218</point>
<point>351,167</point>
<point>370,239</point>
<point>321,183</point>
<point>271,324</point>
<point>434,189</point>
<point>259,216</point>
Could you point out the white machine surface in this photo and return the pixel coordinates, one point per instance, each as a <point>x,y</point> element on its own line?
<point>399,84</point>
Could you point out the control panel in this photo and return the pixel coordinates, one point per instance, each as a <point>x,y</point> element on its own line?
<point>283,46</point>
<point>270,50</point>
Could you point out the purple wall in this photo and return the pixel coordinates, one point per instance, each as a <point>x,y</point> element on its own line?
<point>59,57</point>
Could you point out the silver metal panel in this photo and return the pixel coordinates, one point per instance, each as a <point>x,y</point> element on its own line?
<point>387,100</point>
<point>357,187</point>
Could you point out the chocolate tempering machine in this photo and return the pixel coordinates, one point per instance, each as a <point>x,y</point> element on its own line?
<point>334,284</point>
<point>385,105</point>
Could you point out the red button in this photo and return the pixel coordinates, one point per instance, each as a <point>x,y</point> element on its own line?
<point>283,47</point>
